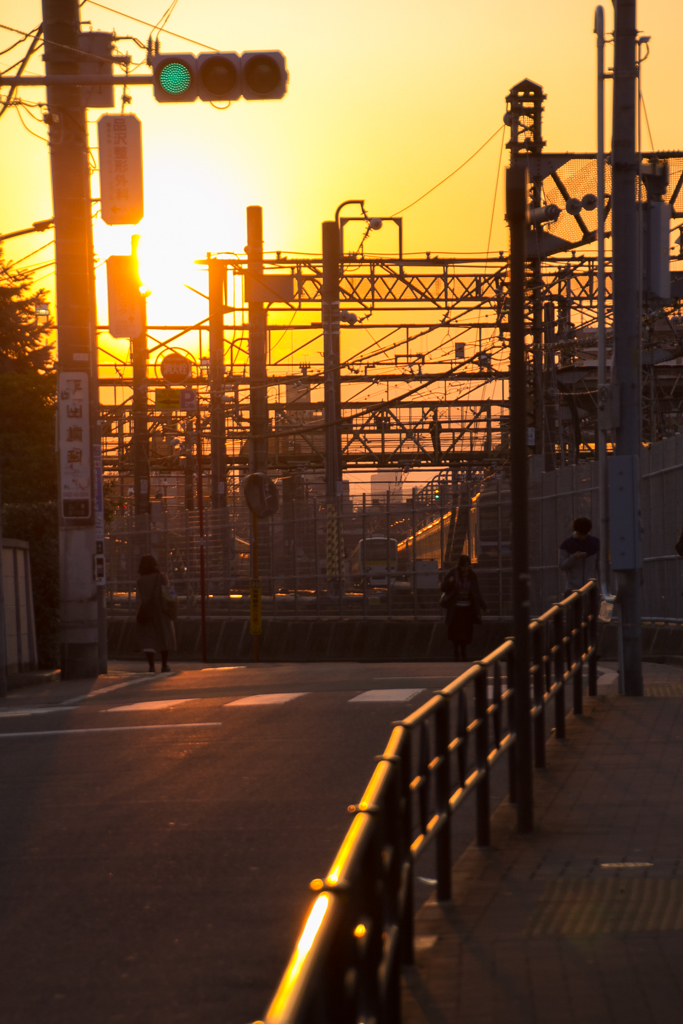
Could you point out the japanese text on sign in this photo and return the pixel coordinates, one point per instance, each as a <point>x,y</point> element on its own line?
<point>74,445</point>
<point>121,189</point>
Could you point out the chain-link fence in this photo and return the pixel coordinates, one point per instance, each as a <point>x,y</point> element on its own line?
<point>556,498</point>
<point>351,558</point>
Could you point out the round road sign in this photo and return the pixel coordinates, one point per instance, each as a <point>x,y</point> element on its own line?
<point>175,368</point>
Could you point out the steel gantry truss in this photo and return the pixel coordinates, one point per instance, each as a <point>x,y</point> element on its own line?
<point>421,371</point>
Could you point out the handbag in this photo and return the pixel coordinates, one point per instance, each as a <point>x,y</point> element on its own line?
<point>169,603</point>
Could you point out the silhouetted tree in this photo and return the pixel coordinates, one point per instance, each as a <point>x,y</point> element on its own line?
<point>27,392</point>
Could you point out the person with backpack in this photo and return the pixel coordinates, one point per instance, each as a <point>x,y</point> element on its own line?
<point>579,555</point>
<point>155,613</point>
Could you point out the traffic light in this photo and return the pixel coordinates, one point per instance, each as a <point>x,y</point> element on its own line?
<point>264,75</point>
<point>175,77</point>
<point>255,75</point>
<point>125,301</point>
<point>218,76</point>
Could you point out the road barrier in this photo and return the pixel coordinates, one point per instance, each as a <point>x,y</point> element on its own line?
<point>359,931</point>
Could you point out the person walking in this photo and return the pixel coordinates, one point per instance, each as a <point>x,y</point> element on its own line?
<point>579,555</point>
<point>464,605</point>
<point>155,628</point>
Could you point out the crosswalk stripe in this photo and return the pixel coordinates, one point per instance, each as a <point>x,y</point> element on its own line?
<point>382,696</point>
<point>264,698</point>
<point>147,705</point>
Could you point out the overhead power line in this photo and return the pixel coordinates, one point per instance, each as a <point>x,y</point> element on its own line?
<point>149,24</point>
<point>448,176</point>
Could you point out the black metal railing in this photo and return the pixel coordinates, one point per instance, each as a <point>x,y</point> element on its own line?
<point>359,931</point>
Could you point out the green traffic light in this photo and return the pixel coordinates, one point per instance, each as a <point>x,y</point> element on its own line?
<point>175,78</point>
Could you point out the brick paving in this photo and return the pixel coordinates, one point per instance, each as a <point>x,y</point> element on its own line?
<point>544,928</point>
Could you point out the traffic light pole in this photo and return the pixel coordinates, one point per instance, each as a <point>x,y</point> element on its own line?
<point>217,275</point>
<point>75,343</point>
<point>258,388</point>
<point>626,324</point>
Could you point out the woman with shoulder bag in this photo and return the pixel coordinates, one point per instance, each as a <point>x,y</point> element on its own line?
<point>464,605</point>
<point>155,612</point>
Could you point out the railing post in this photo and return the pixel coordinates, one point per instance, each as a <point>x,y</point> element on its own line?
<point>512,718</point>
<point>558,672</point>
<point>443,788</point>
<point>405,923</point>
<point>594,606</point>
<point>575,648</point>
<point>482,750</point>
<point>539,703</point>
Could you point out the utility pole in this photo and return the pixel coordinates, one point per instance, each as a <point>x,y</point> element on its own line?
<point>258,388</point>
<point>217,274</point>
<point>140,419</point>
<point>331,356</point>
<point>626,289</point>
<point>516,206</point>
<point>76,342</point>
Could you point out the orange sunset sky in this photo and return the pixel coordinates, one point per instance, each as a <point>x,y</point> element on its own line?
<point>385,99</point>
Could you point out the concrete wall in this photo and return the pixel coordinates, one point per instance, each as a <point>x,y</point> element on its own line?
<point>314,640</point>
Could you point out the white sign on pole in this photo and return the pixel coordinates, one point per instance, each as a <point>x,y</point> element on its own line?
<point>121,193</point>
<point>74,445</point>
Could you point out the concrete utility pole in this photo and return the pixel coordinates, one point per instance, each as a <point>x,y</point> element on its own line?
<point>76,342</point>
<point>217,274</point>
<point>258,389</point>
<point>138,344</point>
<point>626,326</point>
<point>331,355</point>
<point>516,211</point>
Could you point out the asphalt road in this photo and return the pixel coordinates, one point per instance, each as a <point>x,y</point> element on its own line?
<point>158,836</point>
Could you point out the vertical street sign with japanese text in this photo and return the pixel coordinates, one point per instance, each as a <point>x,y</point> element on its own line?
<point>120,151</point>
<point>74,445</point>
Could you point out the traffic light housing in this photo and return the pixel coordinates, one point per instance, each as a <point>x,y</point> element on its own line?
<point>126,304</point>
<point>218,76</point>
<point>255,75</point>
<point>175,77</point>
<point>264,75</point>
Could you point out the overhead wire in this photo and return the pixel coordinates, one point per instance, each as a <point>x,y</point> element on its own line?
<point>149,24</point>
<point>24,61</point>
<point>449,176</point>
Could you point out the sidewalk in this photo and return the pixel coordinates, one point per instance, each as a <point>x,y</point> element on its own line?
<point>545,929</point>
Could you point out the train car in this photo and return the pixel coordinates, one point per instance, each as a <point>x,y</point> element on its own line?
<point>442,540</point>
<point>375,559</point>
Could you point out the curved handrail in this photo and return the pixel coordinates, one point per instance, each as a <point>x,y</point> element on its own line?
<point>358,929</point>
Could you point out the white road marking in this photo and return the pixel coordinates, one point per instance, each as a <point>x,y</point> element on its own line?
<point>106,689</point>
<point>108,728</point>
<point>631,864</point>
<point>379,696</point>
<point>264,698</point>
<point>221,668</point>
<point>424,941</point>
<point>410,679</point>
<point>147,705</point>
<point>23,712</point>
